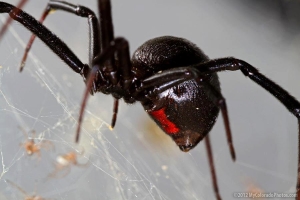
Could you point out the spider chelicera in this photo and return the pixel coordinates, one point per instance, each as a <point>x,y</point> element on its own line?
<point>176,83</point>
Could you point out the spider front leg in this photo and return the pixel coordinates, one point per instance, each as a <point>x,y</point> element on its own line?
<point>50,39</point>
<point>94,40</point>
<point>282,95</point>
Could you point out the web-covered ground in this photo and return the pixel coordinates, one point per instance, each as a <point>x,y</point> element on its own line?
<point>136,160</point>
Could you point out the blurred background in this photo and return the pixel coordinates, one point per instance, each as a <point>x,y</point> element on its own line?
<point>137,160</point>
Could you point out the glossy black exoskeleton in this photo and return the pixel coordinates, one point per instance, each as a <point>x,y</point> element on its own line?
<point>172,78</point>
<point>184,111</point>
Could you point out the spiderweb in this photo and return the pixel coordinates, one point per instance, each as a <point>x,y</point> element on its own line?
<point>136,160</point>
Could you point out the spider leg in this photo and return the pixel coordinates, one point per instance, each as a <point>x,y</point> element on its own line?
<point>167,79</point>
<point>115,112</point>
<point>51,40</point>
<point>106,25</point>
<point>106,37</point>
<point>9,20</point>
<point>233,64</point>
<point>220,101</point>
<point>120,48</point>
<point>212,166</point>
<point>94,48</point>
<point>278,92</point>
<point>30,42</point>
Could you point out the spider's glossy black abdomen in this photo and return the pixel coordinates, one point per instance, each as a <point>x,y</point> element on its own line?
<point>165,53</point>
<point>185,112</point>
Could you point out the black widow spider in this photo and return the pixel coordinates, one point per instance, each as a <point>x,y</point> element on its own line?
<point>176,83</point>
